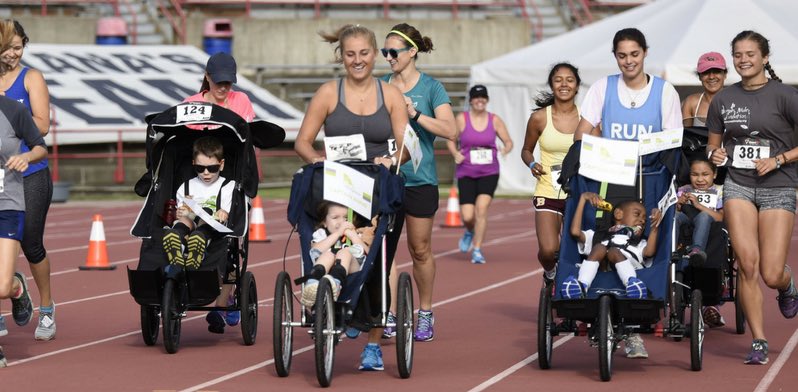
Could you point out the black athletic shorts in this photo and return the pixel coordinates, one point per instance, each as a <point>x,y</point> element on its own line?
<point>471,187</point>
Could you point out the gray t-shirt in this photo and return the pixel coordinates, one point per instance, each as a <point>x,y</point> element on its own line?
<point>751,120</point>
<point>16,124</point>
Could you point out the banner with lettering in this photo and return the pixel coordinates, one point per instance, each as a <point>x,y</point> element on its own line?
<point>98,89</point>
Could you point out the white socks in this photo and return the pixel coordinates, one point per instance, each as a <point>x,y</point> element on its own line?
<point>587,272</point>
<point>625,270</point>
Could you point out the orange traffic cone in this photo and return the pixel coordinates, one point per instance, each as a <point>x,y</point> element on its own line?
<point>453,210</point>
<point>97,259</point>
<point>257,224</point>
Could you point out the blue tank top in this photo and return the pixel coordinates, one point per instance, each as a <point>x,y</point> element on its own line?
<point>18,93</point>
<point>622,123</point>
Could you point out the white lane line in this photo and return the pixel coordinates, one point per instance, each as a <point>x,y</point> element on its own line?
<point>520,365</point>
<point>774,370</point>
<point>260,365</point>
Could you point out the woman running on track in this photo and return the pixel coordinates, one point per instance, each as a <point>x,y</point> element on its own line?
<point>752,131</point>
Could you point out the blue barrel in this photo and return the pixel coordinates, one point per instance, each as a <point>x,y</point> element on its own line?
<point>111,31</point>
<point>218,36</point>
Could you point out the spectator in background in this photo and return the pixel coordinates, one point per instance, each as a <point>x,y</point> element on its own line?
<point>553,129</point>
<point>27,85</point>
<point>477,166</point>
<point>712,71</point>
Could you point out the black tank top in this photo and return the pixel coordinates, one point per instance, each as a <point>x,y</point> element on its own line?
<point>376,128</point>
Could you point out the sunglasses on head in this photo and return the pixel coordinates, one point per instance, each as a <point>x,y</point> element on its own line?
<point>211,168</point>
<point>393,52</point>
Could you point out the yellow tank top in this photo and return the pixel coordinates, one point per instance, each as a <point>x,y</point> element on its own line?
<point>553,147</point>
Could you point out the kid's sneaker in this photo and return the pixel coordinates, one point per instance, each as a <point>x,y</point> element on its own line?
<point>635,288</point>
<point>309,293</point>
<point>572,288</point>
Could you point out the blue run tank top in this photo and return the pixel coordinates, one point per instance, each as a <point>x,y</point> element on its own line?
<point>18,93</point>
<point>376,128</point>
<point>622,123</point>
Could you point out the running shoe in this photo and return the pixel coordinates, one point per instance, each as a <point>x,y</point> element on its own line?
<point>215,321</point>
<point>232,317</point>
<point>352,332</point>
<point>788,299</point>
<point>371,358</point>
<point>572,288</point>
<point>548,276</point>
<point>712,317</point>
<point>3,362</point>
<point>46,328</point>
<point>22,307</point>
<point>634,347</point>
<point>758,354</point>
<point>635,288</point>
<point>477,257</point>
<point>3,328</point>
<point>389,332</point>
<point>465,241</point>
<point>697,257</point>
<point>424,329</point>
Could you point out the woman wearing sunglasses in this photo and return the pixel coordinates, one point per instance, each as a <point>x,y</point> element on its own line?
<point>217,88</point>
<point>430,112</point>
<point>358,103</point>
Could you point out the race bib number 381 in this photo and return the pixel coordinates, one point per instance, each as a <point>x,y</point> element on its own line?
<point>748,151</point>
<point>193,112</point>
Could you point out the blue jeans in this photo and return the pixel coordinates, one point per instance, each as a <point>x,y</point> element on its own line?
<point>701,224</point>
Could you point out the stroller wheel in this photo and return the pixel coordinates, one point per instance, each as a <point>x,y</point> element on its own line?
<point>696,331</point>
<point>545,324</point>
<point>324,332</point>
<point>283,338</point>
<point>150,321</point>
<point>171,316</point>
<point>404,326</point>
<point>249,308</point>
<point>606,337</point>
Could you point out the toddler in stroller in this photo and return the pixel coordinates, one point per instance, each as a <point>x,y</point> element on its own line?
<point>622,245</point>
<point>336,244</point>
<point>209,190</point>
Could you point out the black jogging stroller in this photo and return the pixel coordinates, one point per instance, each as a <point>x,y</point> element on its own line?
<point>605,315</point>
<point>717,278</point>
<point>362,303</point>
<point>165,292</point>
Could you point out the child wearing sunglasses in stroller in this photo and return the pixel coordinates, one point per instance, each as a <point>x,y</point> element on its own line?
<point>210,191</point>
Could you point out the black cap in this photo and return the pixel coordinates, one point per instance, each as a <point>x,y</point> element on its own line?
<point>478,91</point>
<point>221,68</point>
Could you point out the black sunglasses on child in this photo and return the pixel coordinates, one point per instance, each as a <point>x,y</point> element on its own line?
<point>393,52</point>
<point>211,168</point>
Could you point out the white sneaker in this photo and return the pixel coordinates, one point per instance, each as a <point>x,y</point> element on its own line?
<point>634,347</point>
<point>46,328</point>
<point>309,293</point>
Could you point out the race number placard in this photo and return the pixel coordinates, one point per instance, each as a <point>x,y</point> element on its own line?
<point>481,156</point>
<point>748,151</point>
<point>554,176</point>
<point>708,198</point>
<point>193,112</point>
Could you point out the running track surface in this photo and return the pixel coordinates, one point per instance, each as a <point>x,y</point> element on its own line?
<point>486,323</point>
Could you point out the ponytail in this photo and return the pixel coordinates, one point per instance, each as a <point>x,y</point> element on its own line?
<point>771,72</point>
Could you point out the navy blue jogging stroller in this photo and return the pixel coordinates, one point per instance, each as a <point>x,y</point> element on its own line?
<point>363,302</point>
<point>605,315</point>
<point>165,292</point>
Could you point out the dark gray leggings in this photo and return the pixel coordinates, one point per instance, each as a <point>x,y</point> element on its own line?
<point>38,195</point>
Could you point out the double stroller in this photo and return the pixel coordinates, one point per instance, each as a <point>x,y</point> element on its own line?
<point>164,291</point>
<point>362,303</point>
<point>605,315</point>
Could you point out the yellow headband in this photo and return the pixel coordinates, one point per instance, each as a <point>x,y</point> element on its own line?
<point>401,34</point>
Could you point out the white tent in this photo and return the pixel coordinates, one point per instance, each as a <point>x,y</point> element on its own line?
<point>677,31</point>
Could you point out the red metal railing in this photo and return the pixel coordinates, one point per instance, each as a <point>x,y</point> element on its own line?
<point>45,3</point>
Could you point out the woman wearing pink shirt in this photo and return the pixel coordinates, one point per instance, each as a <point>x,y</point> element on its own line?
<point>217,88</point>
